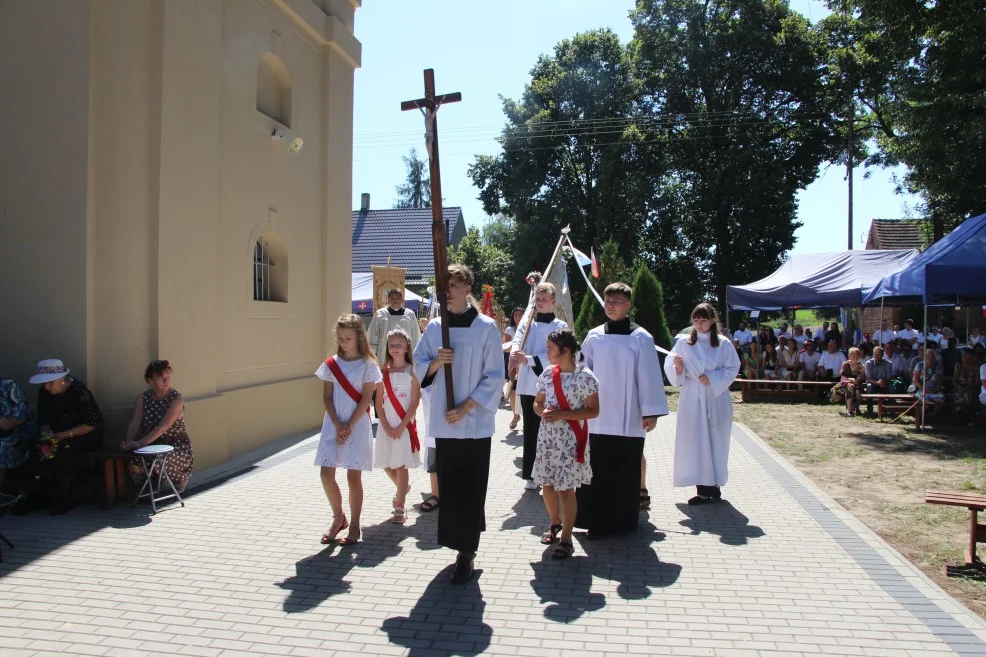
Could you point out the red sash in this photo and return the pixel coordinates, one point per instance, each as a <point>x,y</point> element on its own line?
<point>353,393</point>
<point>580,429</point>
<point>412,427</point>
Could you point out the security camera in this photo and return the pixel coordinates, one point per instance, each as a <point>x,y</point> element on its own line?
<point>295,145</point>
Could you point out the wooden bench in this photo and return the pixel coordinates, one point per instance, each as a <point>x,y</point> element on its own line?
<point>790,388</point>
<point>975,504</point>
<point>891,401</point>
<point>114,464</point>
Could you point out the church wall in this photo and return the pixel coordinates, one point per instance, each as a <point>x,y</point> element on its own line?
<point>164,174</point>
<point>124,150</point>
<point>44,47</point>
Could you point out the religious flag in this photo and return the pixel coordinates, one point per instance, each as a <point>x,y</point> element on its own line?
<point>581,258</point>
<point>595,263</point>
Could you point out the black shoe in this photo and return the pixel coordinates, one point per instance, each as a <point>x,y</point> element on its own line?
<point>463,568</point>
<point>700,499</point>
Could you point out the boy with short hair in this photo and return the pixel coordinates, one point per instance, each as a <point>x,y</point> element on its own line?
<point>631,398</point>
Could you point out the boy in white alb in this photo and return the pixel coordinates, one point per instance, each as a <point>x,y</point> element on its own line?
<point>462,433</point>
<point>631,398</point>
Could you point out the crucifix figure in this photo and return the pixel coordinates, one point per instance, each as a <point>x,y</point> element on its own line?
<point>429,106</point>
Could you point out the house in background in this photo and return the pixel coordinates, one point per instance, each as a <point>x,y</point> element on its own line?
<point>156,203</point>
<point>895,234</point>
<point>403,235</point>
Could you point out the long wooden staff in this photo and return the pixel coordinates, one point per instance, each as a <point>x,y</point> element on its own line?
<point>544,277</point>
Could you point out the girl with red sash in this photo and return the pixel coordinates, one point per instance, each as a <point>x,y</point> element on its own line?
<point>350,378</point>
<point>567,397</point>
<point>398,446</point>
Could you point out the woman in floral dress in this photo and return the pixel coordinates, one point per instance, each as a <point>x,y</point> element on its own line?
<point>17,431</point>
<point>158,418</point>
<point>561,464</point>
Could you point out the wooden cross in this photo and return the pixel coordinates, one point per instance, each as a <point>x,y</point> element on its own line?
<point>429,107</point>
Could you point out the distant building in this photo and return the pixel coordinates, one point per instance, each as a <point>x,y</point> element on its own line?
<point>403,235</point>
<point>891,234</point>
<point>157,203</point>
<point>895,234</point>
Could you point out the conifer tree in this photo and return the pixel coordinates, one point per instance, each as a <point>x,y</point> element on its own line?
<point>648,306</point>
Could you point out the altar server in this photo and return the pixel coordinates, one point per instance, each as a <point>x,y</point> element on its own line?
<point>529,355</point>
<point>394,316</point>
<point>463,433</point>
<point>631,398</point>
<point>703,366</point>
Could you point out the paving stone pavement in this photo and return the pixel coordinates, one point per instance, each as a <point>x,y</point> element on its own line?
<point>780,569</point>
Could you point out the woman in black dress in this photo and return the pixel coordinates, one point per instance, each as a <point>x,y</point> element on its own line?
<point>71,425</point>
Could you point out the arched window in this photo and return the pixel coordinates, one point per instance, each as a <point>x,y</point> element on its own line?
<point>270,269</point>
<point>274,89</point>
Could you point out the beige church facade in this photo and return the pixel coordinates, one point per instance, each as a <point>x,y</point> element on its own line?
<point>175,183</point>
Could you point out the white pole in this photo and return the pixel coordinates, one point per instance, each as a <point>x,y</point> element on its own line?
<point>924,382</point>
<point>881,321</point>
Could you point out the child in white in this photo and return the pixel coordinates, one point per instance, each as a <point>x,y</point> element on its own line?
<point>350,378</point>
<point>398,444</point>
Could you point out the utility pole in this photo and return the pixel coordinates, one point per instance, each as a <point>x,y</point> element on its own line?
<point>849,165</point>
<point>429,106</point>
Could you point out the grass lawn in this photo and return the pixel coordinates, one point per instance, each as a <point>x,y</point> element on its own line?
<point>880,472</point>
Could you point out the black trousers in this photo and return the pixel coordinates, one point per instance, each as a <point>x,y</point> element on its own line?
<point>611,503</point>
<point>532,423</point>
<point>463,473</point>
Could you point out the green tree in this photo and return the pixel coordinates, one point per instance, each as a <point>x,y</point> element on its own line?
<point>573,153</point>
<point>737,86</point>
<point>416,190</point>
<point>612,269</point>
<point>648,306</point>
<point>915,68</point>
<point>490,264</point>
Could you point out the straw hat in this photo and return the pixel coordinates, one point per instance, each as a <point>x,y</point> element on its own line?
<point>50,369</point>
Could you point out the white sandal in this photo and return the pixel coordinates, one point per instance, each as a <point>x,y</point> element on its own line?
<point>400,515</point>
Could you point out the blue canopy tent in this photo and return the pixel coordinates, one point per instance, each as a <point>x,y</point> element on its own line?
<point>951,270</point>
<point>819,280</point>
<point>363,295</point>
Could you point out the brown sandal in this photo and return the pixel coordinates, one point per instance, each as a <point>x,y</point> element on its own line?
<point>330,535</point>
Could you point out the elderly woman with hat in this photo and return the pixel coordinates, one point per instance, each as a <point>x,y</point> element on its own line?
<point>71,425</point>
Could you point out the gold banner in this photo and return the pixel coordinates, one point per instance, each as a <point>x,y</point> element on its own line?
<point>384,280</point>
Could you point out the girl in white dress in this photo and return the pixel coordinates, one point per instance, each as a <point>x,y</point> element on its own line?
<point>703,366</point>
<point>398,445</point>
<point>350,378</point>
<point>562,461</point>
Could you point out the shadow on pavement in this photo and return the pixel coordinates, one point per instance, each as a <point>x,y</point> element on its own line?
<point>528,511</point>
<point>630,560</point>
<point>323,575</point>
<point>721,519</point>
<point>38,534</point>
<point>446,620</point>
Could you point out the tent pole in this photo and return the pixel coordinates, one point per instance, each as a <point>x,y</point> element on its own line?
<point>924,391</point>
<point>881,321</point>
<point>967,330</point>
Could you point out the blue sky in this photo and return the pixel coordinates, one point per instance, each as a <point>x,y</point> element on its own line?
<point>486,49</point>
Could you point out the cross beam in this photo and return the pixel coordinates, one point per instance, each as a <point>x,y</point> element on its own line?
<point>429,106</point>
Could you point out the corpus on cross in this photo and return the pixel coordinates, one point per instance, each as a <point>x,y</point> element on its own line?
<point>429,106</point>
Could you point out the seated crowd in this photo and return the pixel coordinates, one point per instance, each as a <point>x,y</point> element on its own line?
<point>46,453</point>
<point>891,361</point>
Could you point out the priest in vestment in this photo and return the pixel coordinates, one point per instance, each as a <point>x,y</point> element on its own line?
<point>703,366</point>
<point>631,398</point>
<point>463,433</point>
<point>530,356</point>
<point>395,315</point>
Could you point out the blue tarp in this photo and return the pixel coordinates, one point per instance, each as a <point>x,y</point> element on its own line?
<point>951,270</point>
<point>363,295</point>
<point>819,280</point>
